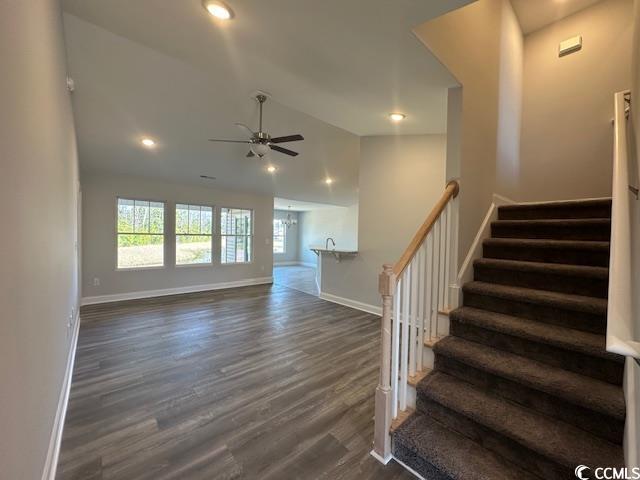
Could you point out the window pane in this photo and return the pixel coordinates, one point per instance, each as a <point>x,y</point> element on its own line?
<point>141,220</point>
<point>236,229</point>
<point>207,220</point>
<point>140,251</point>
<point>125,215</point>
<point>156,214</point>
<point>279,236</point>
<point>193,249</point>
<point>182,218</point>
<point>194,219</point>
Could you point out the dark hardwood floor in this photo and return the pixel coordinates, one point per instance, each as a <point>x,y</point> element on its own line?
<point>300,277</point>
<point>261,382</point>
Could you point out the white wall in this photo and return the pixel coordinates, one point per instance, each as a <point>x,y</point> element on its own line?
<point>567,136</point>
<point>479,45</point>
<point>401,179</point>
<point>98,235</point>
<point>291,239</point>
<point>38,191</point>
<point>508,175</point>
<point>339,223</point>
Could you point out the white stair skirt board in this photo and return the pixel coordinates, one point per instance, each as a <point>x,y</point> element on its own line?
<point>475,252</point>
<point>347,302</point>
<point>175,291</point>
<point>51,463</point>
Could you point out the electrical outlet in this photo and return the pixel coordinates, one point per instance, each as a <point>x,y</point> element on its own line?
<point>96,282</point>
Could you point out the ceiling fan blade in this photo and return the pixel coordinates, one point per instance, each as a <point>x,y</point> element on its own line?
<point>251,154</point>
<point>286,151</point>
<point>288,138</point>
<point>229,141</point>
<point>244,127</point>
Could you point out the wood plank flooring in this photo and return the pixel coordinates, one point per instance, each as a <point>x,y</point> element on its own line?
<point>299,277</point>
<point>261,382</point>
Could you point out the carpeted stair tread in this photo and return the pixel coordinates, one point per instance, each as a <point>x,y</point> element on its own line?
<point>561,442</point>
<point>565,209</point>
<point>577,252</point>
<point>589,393</point>
<point>599,273</point>
<point>558,229</point>
<point>561,337</point>
<point>434,451</point>
<point>573,279</point>
<point>580,303</point>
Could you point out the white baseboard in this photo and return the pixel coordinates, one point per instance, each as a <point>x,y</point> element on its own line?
<point>347,302</point>
<point>174,291</point>
<point>285,264</point>
<point>53,452</point>
<point>308,264</point>
<point>382,460</point>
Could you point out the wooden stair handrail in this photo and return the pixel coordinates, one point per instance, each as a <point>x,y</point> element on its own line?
<point>451,191</point>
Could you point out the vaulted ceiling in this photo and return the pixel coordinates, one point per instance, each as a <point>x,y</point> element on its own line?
<point>168,70</point>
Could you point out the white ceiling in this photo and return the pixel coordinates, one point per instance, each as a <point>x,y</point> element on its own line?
<point>536,14</point>
<point>166,69</point>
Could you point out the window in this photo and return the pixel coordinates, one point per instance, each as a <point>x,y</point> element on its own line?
<point>194,233</point>
<point>279,236</point>
<point>236,228</point>
<point>140,232</point>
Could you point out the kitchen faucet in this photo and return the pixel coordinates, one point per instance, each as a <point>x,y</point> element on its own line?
<point>326,244</point>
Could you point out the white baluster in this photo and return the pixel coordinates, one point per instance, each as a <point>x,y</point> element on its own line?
<point>395,348</point>
<point>447,258</point>
<point>421,262</point>
<point>435,279</point>
<point>404,348</point>
<point>428,285</point>
<point>443,246</point>
<point>413,317</point>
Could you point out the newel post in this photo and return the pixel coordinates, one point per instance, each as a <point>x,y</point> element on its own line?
<point>382,438</point>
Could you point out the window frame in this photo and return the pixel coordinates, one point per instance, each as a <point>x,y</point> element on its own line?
<point>249,236</point>
<point>284,236</point>
<point>212,235</point>
<point>164,229</point>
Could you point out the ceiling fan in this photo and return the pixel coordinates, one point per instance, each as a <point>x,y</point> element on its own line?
<point>261,142</point>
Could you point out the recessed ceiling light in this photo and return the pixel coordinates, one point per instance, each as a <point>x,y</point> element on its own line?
<point>271,169</point>
<point>328,180</point>
<point>397,117</point>
<point>148,142</point>
<point>217,9</point>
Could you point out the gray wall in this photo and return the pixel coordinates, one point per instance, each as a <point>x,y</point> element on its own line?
<point>98,235</point>
<point>38,191</point>
<point>401,178</point>
<point>339,223</point>
<point>568,103</point>
<point>291,244</point>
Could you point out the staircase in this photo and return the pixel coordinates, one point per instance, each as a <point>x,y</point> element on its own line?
<point>523,387</point>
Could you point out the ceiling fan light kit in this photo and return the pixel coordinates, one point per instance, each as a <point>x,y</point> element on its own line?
<point>260,142</point>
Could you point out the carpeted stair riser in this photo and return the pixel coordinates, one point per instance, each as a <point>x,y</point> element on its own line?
<point>417,462</point>
<point>583,209</point>
<point>588,322</point>
<point>506,448</point>
<point>594,254</point>
<point>591,421</point>
<point>544,279</point>
<point>591,229</point>
<point>602,369</point>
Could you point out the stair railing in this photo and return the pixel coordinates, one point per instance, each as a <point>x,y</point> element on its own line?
<point>623,316</point>
<point>413,290</point>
